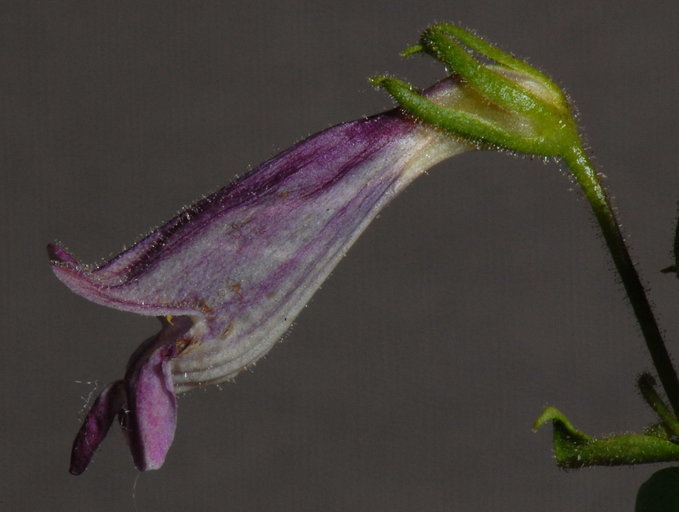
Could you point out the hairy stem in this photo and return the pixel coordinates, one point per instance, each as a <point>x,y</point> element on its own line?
<point>646,384</point>
<point>588,179</point>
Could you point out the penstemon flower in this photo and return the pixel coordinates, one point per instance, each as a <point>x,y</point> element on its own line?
<point>227,275</point>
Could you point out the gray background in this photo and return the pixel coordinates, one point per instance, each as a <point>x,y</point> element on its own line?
<point>412,380</point>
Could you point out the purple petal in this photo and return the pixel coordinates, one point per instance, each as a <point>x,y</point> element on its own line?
<point>259,268</point>
<point>180,268</point>
<point>315,197</point>
<point>96,425</point>
<point>237,267</point>
<point>150,420</point>
<point>245,260</point>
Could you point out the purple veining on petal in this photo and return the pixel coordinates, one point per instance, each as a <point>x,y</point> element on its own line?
<point>289,245</point>
<point>152,416</point>
<point>156,276</point>
<point>144,401</point>
<point>96,426</point>
<point>237,267</point>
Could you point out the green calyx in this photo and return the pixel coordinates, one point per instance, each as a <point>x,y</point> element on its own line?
<point>538,121</point>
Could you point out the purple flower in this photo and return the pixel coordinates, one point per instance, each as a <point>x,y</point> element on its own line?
<point>227,275</point>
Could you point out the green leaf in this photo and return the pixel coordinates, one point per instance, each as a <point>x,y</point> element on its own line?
<point>660,493</point>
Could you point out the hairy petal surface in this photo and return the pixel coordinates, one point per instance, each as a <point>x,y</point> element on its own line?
<point>228,275</point>
<point>96,425</point>
<point>243,261</point>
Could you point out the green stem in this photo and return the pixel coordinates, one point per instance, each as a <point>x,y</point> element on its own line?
<point>584,172</point>
<point>646,384</point>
